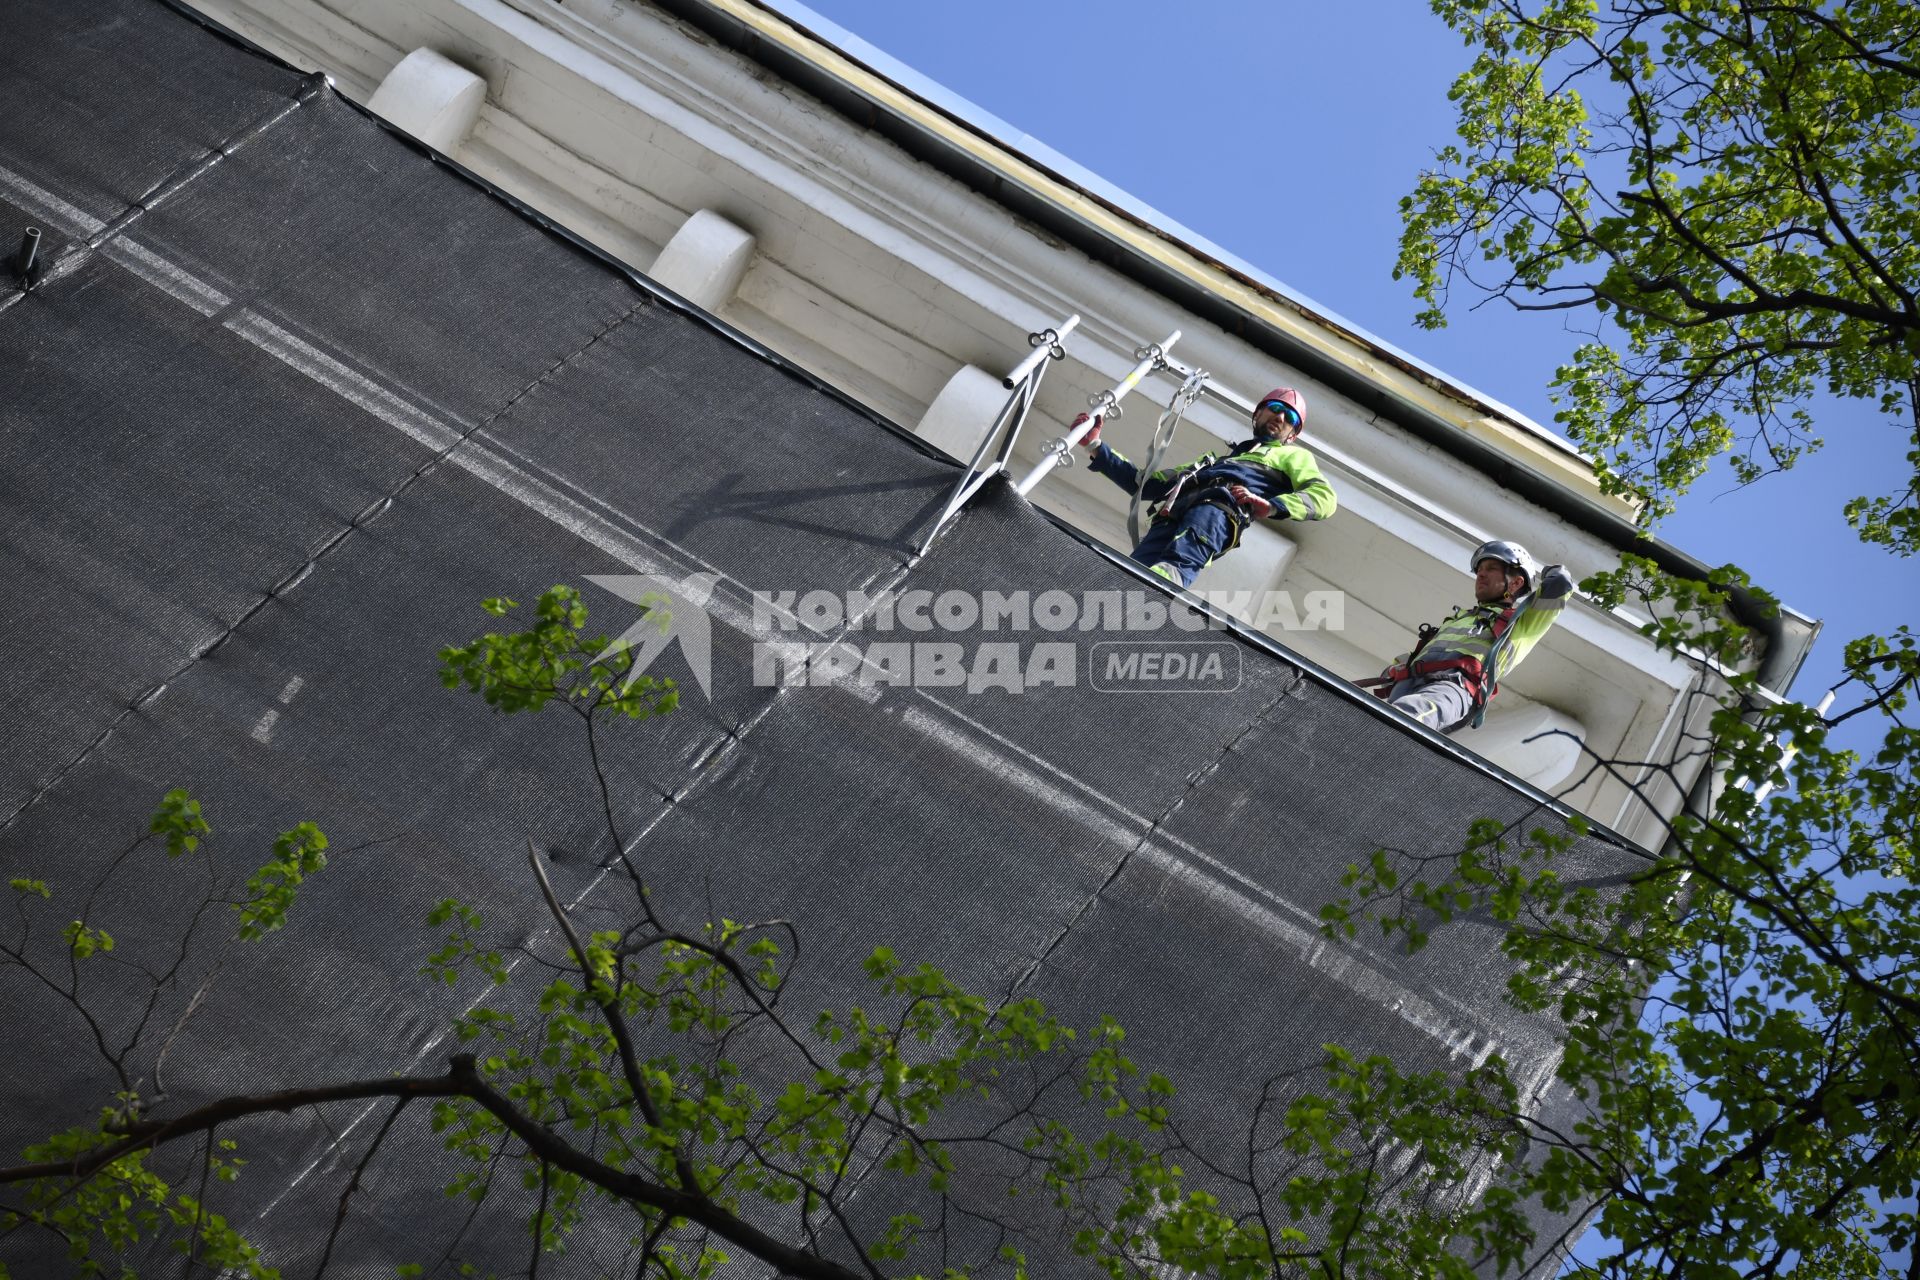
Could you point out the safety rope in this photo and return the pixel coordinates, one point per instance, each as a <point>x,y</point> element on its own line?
<point>1490,677</point>
<point>1164,428</point>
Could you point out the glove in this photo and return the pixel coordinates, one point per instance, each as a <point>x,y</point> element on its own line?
<point>1555,582</point>
<point>1256,506</point>
<point>1092,438</point>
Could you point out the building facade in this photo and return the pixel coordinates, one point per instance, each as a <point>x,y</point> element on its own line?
<point>292,397</point>
<point>877,232</point>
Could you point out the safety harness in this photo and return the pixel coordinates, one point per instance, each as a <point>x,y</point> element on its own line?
<point>1177,504</point>
<point>1480,676</point>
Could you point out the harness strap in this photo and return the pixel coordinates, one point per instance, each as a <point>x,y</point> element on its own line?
<point>1473,669</point>
<point>1163,431</point>
<point>1425,637</point>
<point>1503,626</point>
<point>1177,504</point>
<point>1480,676</point>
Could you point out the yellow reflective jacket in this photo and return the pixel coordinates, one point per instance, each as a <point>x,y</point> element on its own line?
<point>1465,637</point>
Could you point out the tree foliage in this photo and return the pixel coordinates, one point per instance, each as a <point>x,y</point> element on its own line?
<point>1725,190</point>
<point>1742,1010</point>
<point>1741,1013</point>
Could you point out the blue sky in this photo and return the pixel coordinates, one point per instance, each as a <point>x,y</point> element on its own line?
<point>1287,133</point>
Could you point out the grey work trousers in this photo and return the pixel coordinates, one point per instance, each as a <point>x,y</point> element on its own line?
<point>1438,702</point>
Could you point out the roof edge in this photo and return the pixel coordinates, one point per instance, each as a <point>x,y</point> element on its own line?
<point>1510,449</point>
<point>1200,264</point>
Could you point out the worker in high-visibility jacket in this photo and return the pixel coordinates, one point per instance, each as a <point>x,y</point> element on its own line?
<point>1445,681</point>
<point>1200,510</point>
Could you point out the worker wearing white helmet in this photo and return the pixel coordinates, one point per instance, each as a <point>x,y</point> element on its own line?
<point>1446,680</point>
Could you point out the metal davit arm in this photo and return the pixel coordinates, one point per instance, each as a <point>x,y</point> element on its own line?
<point>1060,451</point>
<point>1024,382</point>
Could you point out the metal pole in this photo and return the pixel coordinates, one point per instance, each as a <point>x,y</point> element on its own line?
<point>29,249</point>
<point>1231,399</point>
<point>1025,383</point>
<point>1029,391</point>
<point>1107,402</point>
<point>1045,343</point>
<point>974,476</point>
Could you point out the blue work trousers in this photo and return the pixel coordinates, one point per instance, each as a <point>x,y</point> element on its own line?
<point>1178,549</point>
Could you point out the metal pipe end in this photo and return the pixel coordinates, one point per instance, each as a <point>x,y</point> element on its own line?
<point>24,260</point>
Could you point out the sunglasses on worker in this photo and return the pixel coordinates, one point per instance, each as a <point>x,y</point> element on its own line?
<point>1288,414</point>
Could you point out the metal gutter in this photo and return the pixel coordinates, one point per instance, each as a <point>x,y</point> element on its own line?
<point>1514,452</point>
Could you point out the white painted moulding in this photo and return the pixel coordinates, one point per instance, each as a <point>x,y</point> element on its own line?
<point>1253,567</point>
<point>431,97</point>
<point>1547,761</point>
<point>705,260</point>
<point>959,416</point>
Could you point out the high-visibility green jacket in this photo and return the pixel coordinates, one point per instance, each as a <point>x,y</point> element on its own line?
<point>1284,474</point>
<point>1466,635</point>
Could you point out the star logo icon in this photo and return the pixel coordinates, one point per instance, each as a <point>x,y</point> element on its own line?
<point>670,611</point>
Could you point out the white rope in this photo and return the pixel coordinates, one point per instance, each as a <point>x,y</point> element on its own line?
<point>1163,432</point>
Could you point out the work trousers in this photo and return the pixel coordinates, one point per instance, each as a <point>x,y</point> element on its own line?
<point>1438,701</point>
<point>1178,549</point>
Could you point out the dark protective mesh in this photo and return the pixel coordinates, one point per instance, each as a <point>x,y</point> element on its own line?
<point>159,477</point>
<point>103,100</point>
<point>740,464</point>
<point>1136,750</point>
<point>333,231</point>
<point>265,447</point>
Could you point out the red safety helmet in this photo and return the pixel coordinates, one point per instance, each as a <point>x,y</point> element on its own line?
<point>1292,399</point>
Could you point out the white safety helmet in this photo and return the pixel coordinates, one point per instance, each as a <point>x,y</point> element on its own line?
<point>1511,554</point>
